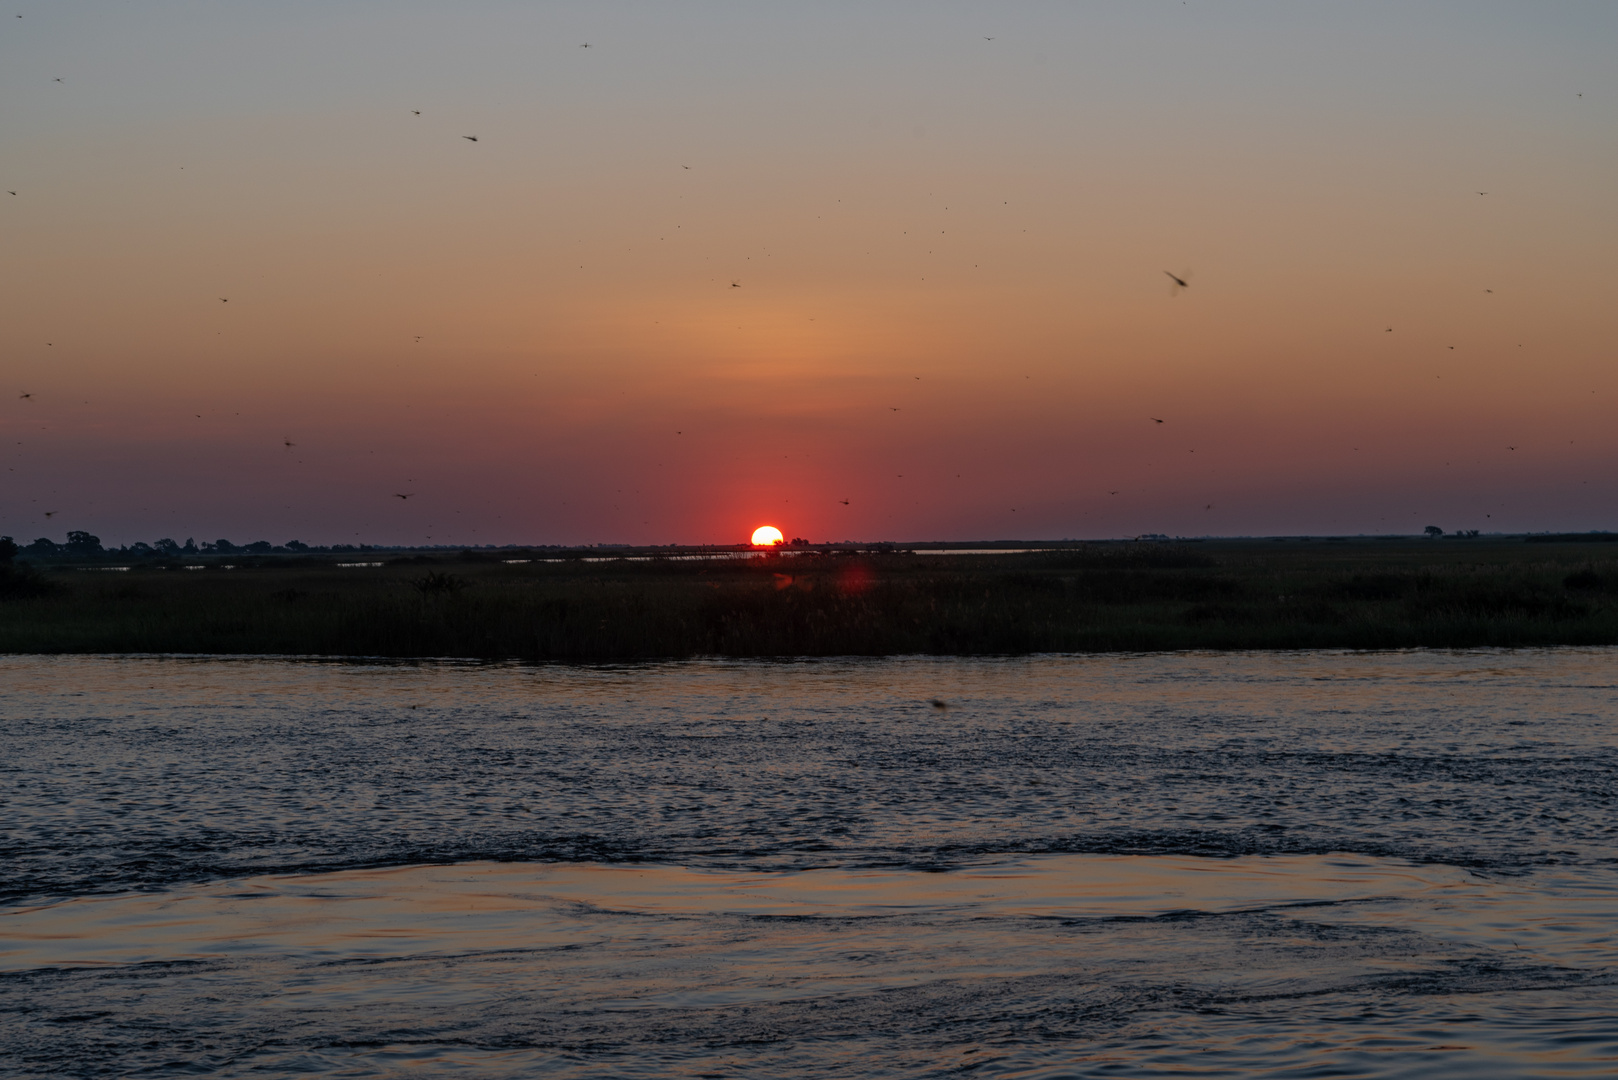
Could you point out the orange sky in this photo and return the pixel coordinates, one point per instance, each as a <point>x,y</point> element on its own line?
<point>733,265</point>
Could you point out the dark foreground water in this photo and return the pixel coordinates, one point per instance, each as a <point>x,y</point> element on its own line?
<point>1323,864</point>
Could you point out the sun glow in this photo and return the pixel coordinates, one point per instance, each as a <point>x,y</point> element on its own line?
<point>767,536</point>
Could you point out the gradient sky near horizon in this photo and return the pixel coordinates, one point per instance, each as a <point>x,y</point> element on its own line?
<point>863,271</point>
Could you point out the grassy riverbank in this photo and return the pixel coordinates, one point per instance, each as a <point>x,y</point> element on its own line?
<point>1102,597</point>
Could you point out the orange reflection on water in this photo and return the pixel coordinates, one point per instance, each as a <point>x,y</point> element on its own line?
<point>428,909</point>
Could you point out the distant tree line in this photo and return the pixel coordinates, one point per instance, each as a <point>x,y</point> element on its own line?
<point>81,545</point>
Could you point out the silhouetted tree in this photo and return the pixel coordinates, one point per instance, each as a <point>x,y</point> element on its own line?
<point>20,583</point>
<point>167,547</point>
<point>259,547</point>
<point>1433,531</point>
<point>82,543</point>
<point>296,545</point>
<point>42,548</point>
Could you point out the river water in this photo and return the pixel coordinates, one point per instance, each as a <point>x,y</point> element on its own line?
<point>1279,865</point>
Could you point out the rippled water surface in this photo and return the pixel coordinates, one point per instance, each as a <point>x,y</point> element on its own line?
<point>1325,864</point>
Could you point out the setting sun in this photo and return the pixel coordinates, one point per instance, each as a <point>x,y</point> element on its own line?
<point>767,536</point>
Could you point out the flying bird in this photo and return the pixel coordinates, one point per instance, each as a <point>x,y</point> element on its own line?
<point>13,193</point>
<point>843,501</point>
<point>735,284</point>
<point>396,495</point>
<point>1154,419</point>
<point>416,112</point>
<point>288,442</point>
<point>224,300</point>
<point>586,45</point>
<point>56,80</point>
<point>52,513</point>
<point>1179,282</point>
<point>470,138</point>
<point>25,395</point>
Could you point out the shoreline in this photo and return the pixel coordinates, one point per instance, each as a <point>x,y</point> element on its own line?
<point>1219,596</point>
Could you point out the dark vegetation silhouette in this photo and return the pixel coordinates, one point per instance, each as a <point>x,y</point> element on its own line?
<point>809,601</point>
<point>20,582</point>
<point>437,584</point>
<point>83,546</point>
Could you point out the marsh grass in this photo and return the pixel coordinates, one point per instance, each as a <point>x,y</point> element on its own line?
<point>1254,595</point>
<point>23,582</point>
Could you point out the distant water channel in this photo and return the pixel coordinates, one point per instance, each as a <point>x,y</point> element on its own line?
<point>1317,864</point>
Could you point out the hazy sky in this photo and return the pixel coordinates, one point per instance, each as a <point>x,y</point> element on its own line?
<point>864,270</point>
